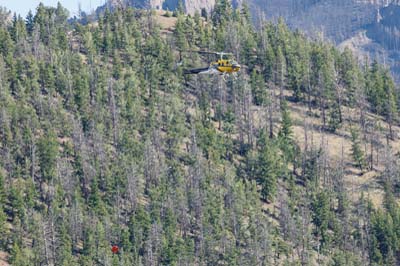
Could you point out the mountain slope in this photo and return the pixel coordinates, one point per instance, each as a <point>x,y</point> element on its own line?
<point>104,141</point>
<point>338,21</point>
<point>341,21</point>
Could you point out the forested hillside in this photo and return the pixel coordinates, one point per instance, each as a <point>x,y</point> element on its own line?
<point>104,142</point>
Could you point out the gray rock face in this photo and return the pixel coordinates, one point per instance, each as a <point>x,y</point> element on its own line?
<point>371,28</point>
<point>336,19</point>
<point>190,5</point>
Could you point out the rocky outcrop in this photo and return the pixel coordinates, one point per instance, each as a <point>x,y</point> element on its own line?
<point>190,5</point>
<point>386,30</point>
<point>371,28</point>
<point>336,19</point>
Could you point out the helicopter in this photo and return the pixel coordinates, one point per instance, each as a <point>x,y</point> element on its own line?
<point>225,64</point>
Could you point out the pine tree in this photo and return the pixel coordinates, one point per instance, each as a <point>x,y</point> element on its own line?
<point>334,121</point>
<point>357,153</point>
<point>48,152</point>
<point>390,106</point>
<point>29,22</point>
<point>267,169</point>
<point>3,226</point>
<point>222,12</point>
<point>286,126</point>
<point>321,217</point>
<point>17,256</point>
<point>3,194</point>
<point>258,89</point>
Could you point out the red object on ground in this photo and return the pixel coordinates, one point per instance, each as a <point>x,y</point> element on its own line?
<point>115,249</point>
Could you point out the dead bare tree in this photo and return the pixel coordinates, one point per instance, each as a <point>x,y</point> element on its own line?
<point>134,187</point>
<point>153,245</point>
<point>195,201</point>
<point>113,110</point>
<point>50,238</point>
<point>247,104</point>
<point>271,107</point>
<point>153,163</point>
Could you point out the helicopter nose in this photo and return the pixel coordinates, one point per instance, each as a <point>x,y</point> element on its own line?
<point>236,66</point>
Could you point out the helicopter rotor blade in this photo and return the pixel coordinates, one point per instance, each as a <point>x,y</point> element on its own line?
<point>209,52</point>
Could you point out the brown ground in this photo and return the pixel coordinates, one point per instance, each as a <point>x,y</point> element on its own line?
<point>3,258</point>
<point>339,143</point>
<point>167,24</point>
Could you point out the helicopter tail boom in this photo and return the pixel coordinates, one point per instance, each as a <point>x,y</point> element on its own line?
<point>205,70</point>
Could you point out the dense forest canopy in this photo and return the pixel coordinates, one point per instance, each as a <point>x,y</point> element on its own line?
<point>104,141</point>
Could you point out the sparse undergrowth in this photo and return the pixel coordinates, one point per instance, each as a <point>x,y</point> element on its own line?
<point>105,142</point>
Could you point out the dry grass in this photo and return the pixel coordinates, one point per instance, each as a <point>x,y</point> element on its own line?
<point>338,145</point>
<point>4,258</point>
<point>167,24</point>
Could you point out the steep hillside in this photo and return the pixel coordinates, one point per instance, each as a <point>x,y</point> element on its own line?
<point>104,141</point>
<point>341,22</point>
<point>336,20</point>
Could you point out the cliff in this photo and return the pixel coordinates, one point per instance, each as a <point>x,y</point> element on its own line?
<point>370,28</point>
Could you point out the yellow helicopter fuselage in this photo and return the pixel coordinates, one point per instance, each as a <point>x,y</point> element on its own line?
<point>226,66</point>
